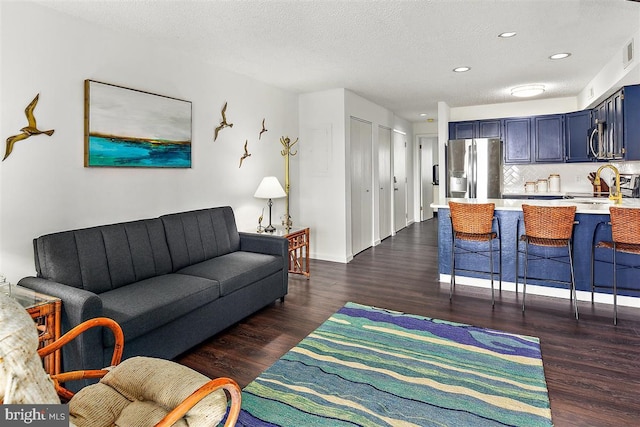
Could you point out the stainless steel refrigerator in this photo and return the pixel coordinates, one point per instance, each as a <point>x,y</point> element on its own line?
<point>474,168</point>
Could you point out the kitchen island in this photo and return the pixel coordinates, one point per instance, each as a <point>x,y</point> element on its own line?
<point>592,216</point>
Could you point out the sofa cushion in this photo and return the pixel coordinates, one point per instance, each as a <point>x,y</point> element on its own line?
<point>236,270</point>
<point>146,305</point>
<point>196,236</point>
<point>106,257</point>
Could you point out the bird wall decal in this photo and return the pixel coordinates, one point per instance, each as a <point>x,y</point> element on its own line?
<point>246,153</point>
<point>223,122</point>
<point>30,130</point>
<point>263,130</point>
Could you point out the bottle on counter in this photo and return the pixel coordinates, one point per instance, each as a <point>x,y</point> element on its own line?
<point>530,187</point>
<point>554,183</point>
<point>542,186</point>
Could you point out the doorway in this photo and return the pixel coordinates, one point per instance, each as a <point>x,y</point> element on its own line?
<point>429,180</point>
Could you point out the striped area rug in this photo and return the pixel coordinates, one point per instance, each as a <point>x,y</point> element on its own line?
<point>368,366</point>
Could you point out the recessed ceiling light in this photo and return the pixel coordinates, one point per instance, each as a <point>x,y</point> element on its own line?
<point>560,55</point>
<point>423,114</point>
<point>507,34</point>
<point>461,69</point>
<point>527,91</point>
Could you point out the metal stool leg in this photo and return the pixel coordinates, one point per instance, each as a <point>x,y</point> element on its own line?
<point>517,257</point>
<point>574,296</point>
<point>593,257</point>
<point>615,287</point>
<point>452,282</point>
<point>493,298</point>
<point>526,265</point>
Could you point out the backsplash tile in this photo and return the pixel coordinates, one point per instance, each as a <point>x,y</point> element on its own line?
<point>573,176</point>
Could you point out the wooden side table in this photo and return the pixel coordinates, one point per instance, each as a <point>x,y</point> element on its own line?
<point>299,251</point>
<point>298,238</point>
<point>45,310</point>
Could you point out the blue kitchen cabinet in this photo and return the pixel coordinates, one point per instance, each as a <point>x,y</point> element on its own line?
<point>630,118</point>
<point>622,112</point>
<point>548,138</point>
<point>490,129</point>
<point>463,130</point>
<point>517,140</point>
<point>475,129</point>
<point>576,129</point>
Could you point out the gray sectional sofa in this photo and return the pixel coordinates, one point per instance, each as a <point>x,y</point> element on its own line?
<point>170,282</point>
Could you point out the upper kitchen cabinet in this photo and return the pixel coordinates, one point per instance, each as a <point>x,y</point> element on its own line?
<point>621,134</point>
<point>475,129</point>
<point>490,129</point>
<point>576,129</point>
<point>548,138</point>
<point>630,126</point>
<point>517,140</point>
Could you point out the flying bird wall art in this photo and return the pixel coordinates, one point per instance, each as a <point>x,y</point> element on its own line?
<point>223,122</point>
<point>30,130</point>
<point>246,153</point>
<point>263,130</point>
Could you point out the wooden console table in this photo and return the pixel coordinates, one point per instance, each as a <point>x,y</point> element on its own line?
<point>45,310</point>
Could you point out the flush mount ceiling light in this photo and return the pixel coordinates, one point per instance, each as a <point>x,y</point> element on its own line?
<point>423,114</point>
<point>507,34</point>
<point>560,55</point>
<point>527,91</point>
<point>461,69</point>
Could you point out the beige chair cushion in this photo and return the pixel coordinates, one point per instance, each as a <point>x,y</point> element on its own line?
<point>22,377</point>
<point>141,391</point>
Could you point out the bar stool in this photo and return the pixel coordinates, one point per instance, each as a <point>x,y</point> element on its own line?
<point>625,238</point>
<point>551,228</point>
<point>473,223</point>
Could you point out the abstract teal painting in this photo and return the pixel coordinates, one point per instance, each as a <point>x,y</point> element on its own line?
<point>131,128</point>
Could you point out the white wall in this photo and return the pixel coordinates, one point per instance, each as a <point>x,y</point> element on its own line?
<point>43,185</point>
<point>325,178</point>
<point>323,175</point>
<point>613,76</point>
<point>532,107</point>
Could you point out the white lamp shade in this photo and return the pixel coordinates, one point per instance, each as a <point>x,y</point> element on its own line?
<point>270,188</point>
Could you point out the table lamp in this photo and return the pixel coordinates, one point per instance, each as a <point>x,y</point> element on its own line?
<point>270,188</point>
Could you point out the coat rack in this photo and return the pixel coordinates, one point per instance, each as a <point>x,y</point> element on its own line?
<point>286,153</point>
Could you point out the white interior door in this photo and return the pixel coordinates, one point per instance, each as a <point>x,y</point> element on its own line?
<point>361,185</point>
<point>399,181</point>
<point>385,180</point>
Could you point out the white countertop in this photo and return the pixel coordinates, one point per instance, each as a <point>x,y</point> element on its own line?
<point>599,205</point>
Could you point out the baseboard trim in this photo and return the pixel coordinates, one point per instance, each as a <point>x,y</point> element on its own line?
<point>599,297</point>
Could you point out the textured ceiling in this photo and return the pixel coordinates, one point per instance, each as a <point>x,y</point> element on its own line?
<point>398,54</point>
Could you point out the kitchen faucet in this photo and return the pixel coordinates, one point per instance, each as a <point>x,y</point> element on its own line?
<point>617,196</point>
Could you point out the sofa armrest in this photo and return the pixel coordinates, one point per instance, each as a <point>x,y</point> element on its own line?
<point>260,243</point>
<point>78,305</point>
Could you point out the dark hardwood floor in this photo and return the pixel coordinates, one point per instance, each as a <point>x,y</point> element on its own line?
<point>592,367</point>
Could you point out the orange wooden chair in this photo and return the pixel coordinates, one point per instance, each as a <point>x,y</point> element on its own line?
<point>139,391</point>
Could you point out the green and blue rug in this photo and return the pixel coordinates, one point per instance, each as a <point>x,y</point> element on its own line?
<point>367,366</point>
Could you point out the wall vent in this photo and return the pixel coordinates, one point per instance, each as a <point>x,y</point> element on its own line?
<point>627,54</point>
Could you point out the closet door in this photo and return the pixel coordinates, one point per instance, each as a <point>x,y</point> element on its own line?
<point>399,181</point>
<point>386,181</point>
<point>361,185</point>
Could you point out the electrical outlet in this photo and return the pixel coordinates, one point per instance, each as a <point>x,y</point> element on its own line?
<point>578,178</point>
